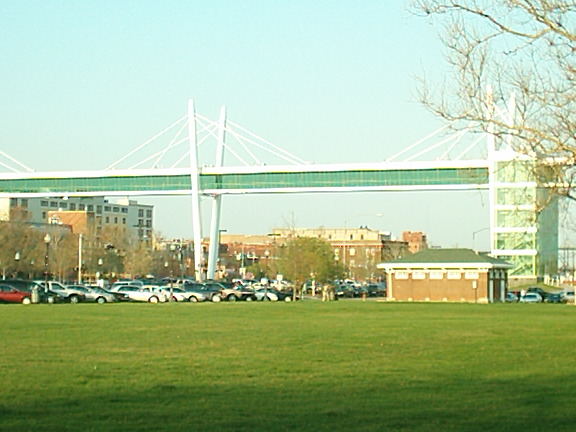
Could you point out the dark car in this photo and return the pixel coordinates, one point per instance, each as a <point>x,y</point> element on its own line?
<point>44,295</point>
<point>344,290</point>
<point>538,290</point>
<point>213,291</point>
<point>553,298</point>
<point>9,294</point>
<point>376,290</point>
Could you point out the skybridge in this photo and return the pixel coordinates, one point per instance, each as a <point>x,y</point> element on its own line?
<point>516,233</point>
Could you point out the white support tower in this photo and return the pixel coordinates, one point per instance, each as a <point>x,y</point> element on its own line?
<point>195,191</point>
<point>216,201</point>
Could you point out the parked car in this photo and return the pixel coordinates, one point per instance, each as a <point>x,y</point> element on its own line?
<point>213,291</point>
<point>553,298</point>
<point>121,283</point>
<point>45,295</point>
<point>178,294</point>
<point>376,290</point>
<point>538,290</point>
<point>197,293</point>
<point>531,297</point>
<point>98,294</point>
<point>511,297</point>
<point>9,294</point>
<point>147,293</point>
<point>568,297</point>
<point>238,293</point>
<point>70,293</point>
<point>344,290</point>
<point>272,294</point>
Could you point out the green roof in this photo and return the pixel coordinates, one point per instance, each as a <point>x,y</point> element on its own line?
<point>453,256</point>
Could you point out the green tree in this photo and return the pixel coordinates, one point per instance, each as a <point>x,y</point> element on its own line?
<point>302,257</point>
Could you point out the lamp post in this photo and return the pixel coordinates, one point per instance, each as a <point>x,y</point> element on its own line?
<point>474,236</point>
<point>172,250</point>
<point>17,260</point>
<point>47,240</point>
<point>99,273</point>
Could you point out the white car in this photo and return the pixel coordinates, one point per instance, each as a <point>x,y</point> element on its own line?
<point>568,297</point>
<point>531,297</point>
<point>146,293</point>
<point>178,294</point>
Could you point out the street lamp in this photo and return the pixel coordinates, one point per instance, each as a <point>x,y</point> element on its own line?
<point>17,259</point>
<point>474,236</point>
<point>99,273</point>
<point>172,249</point>
<point>47,240</point>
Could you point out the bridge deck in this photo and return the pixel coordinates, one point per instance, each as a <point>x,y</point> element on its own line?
<point>230,181</point>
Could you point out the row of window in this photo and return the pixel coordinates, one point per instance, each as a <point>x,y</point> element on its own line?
<point>436,274</point>
<point>83,207</point>
<point>116,220</point>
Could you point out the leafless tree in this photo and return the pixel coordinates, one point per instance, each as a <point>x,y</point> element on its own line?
<point>525,48</point>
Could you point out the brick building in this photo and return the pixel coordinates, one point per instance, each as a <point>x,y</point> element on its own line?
<point>458,275</point>
<point>416,241</point>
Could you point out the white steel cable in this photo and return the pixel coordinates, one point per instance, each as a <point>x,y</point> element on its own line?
<point>145,143</point>
<point>10,158</point>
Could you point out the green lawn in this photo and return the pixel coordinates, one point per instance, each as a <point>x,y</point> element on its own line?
<point>306,366</point>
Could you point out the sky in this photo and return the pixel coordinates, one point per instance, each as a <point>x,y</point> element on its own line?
<point>84,82</point>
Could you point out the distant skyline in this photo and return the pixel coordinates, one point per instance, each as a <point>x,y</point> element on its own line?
<point>82,83</point>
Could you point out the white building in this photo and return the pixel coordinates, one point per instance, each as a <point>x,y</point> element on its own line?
<point>124,212</point>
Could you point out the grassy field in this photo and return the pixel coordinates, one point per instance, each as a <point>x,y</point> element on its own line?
<point>307,366</point>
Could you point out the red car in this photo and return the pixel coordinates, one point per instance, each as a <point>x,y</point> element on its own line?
<point>9,294</point>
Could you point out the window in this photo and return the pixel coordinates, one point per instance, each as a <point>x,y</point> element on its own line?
<point>418,274</point>
<point>63,205</point>
<point>90,207</point>
<point>44,203</point>
<point>72,206</point>
<point>140,213</point>
<point>124,209</point>
<point>148,224</point>
<point>454,274</point>
<point>148,213</point>
<point>81,206</point>
<point>107,219</point>
<point>115,220</point>
<point>401,274</point>
<point>53,204</point>
<point>107,208</point>
<point>124,221</point>
<point>99,209</point>
<point>140,222</point>
<point>471,275</point>
<point>436,274</point>
<point>24,202</point>
<point>116,209</point>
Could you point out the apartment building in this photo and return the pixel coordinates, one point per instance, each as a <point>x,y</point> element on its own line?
<point>80,212</point>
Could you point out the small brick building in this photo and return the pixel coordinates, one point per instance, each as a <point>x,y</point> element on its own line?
<point>456,275</point>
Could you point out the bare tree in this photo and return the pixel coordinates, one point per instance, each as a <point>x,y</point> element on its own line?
<point>525,48</point>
